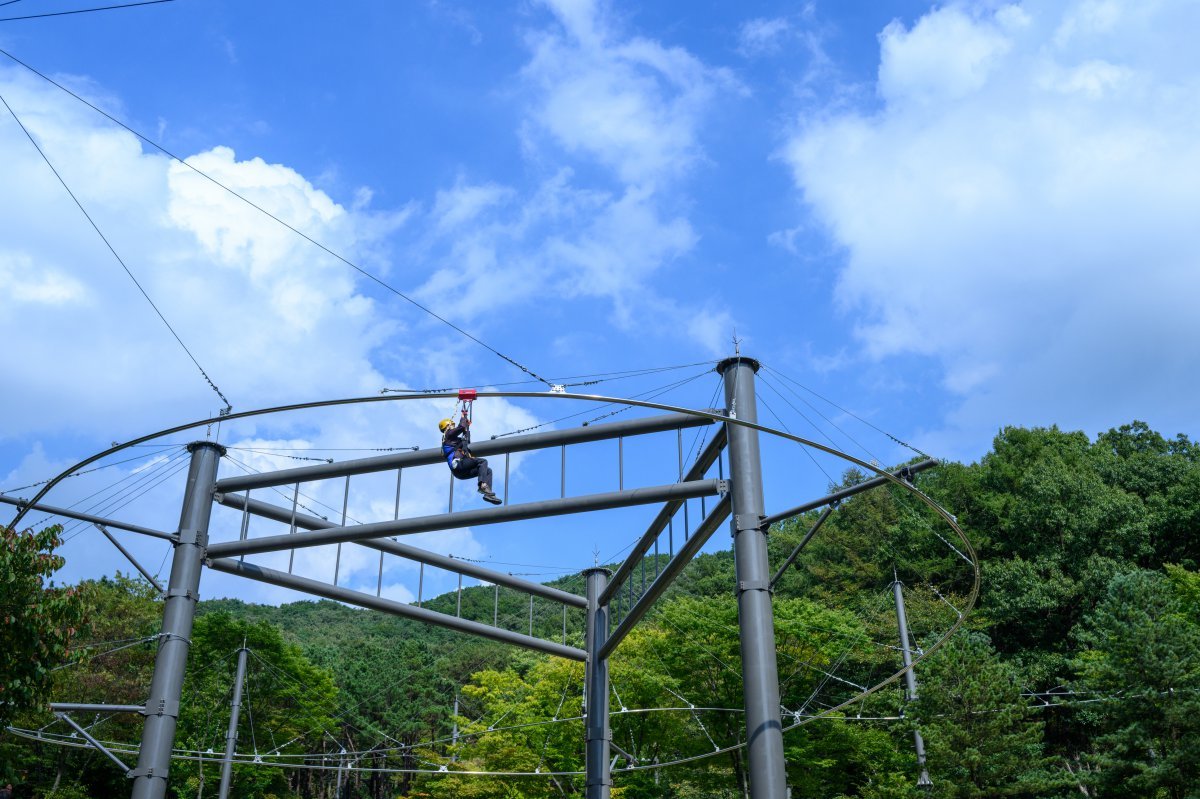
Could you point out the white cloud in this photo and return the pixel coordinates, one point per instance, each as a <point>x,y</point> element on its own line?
<point>1022,206</point>
<point>946,55</point>
<point>632,104</point>
<point>762,36</point>
<point>595,96</point>
<point>272,319</point>
<point>24,282</point>
<point>464,203</point>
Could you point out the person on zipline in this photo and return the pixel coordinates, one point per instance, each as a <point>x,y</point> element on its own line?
<point>456,446</point>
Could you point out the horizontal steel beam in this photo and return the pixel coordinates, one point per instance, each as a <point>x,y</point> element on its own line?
<point>846,493</point>
<point>86,517</point>
<point>77,707</point>
<point>306,522</point>
<point>482,449</point>
<point>667,576</point>
<point>450,521</point>
<point>704,461</point>
<point>338,594</point>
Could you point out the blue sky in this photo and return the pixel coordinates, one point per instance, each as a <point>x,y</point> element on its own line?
<point>946,219</point>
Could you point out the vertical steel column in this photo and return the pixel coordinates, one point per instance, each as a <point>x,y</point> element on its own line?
<point>760,672</point>
<point>910,681</point>
<point>597,730</point>
<point>179,610</point>
<point>231,734</point>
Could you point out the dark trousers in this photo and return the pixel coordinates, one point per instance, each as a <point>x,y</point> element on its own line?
<point>474,467</point>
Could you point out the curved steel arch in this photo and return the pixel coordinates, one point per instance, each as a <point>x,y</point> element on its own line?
<point>947,517</point>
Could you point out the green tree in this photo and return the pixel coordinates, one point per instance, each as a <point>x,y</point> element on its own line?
<point>288,706</point>
<point>1141,650</point>
<point>38,621</point>
<point>979,734</point>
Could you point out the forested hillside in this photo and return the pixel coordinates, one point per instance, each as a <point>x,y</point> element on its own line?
<point>1076,674</point>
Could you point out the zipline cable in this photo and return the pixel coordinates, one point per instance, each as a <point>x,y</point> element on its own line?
<point>121,261</point>
<point>153,466</point>
<point>829,421</point>
<point>379,281</point>
<point>877,429</point>
<point>86,471</point>
<point>82,10</point>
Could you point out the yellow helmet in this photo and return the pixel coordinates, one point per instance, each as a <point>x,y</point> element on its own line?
<point>445,423</point>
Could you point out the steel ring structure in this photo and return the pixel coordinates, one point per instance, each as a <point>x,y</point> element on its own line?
<point>740,501</point>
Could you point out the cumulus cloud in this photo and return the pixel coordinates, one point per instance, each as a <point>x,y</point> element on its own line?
<point>271,318</point>
<point>631,103</point>
<point>1021,207</point>
<point>263,311</point>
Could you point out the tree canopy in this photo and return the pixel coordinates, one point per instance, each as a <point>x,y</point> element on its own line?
<point>1079,672</point>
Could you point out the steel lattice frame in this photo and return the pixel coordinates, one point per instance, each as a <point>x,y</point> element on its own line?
<point>742,501</point>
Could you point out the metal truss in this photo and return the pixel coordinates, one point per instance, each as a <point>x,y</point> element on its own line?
<point>739,500</point>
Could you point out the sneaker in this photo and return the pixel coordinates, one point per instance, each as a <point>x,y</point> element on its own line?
<point>492,498</point>
<point>484,488</point>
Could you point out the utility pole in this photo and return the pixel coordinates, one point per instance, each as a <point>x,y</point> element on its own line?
<point>760,671</point>
<point>454,731</point>
<point>234,714</point>
<point>597,730</point>
<point>910,680</point>
<point>179,611</point>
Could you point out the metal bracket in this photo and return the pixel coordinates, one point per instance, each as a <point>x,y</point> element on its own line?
<point>722,487</point>
<point>183,592</point>
<point>747,521</point>
<point>190,536</point>
<point>143,772</point>
<point>753,585</point>
<point>165,708</point>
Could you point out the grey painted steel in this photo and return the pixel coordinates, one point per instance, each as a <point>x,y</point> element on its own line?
<point>316,588</point>
<point>667,576</point>
<point>83,517</point>
<point>846,493</point>
<point>101,747</point>
<point>450,564</point>
<point>825,514</point>
<point>704,462</point>
<point>84,707</point>
<point>710,414</point>
<point>910,681</point>
<point>483,449</point>
<point>179,609</point>
<point>129,556</point>
<point>235,710</point>
<point>597,730</point>
<point>715,416</point>
<point>760,671</point>
<point>469,518</point>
